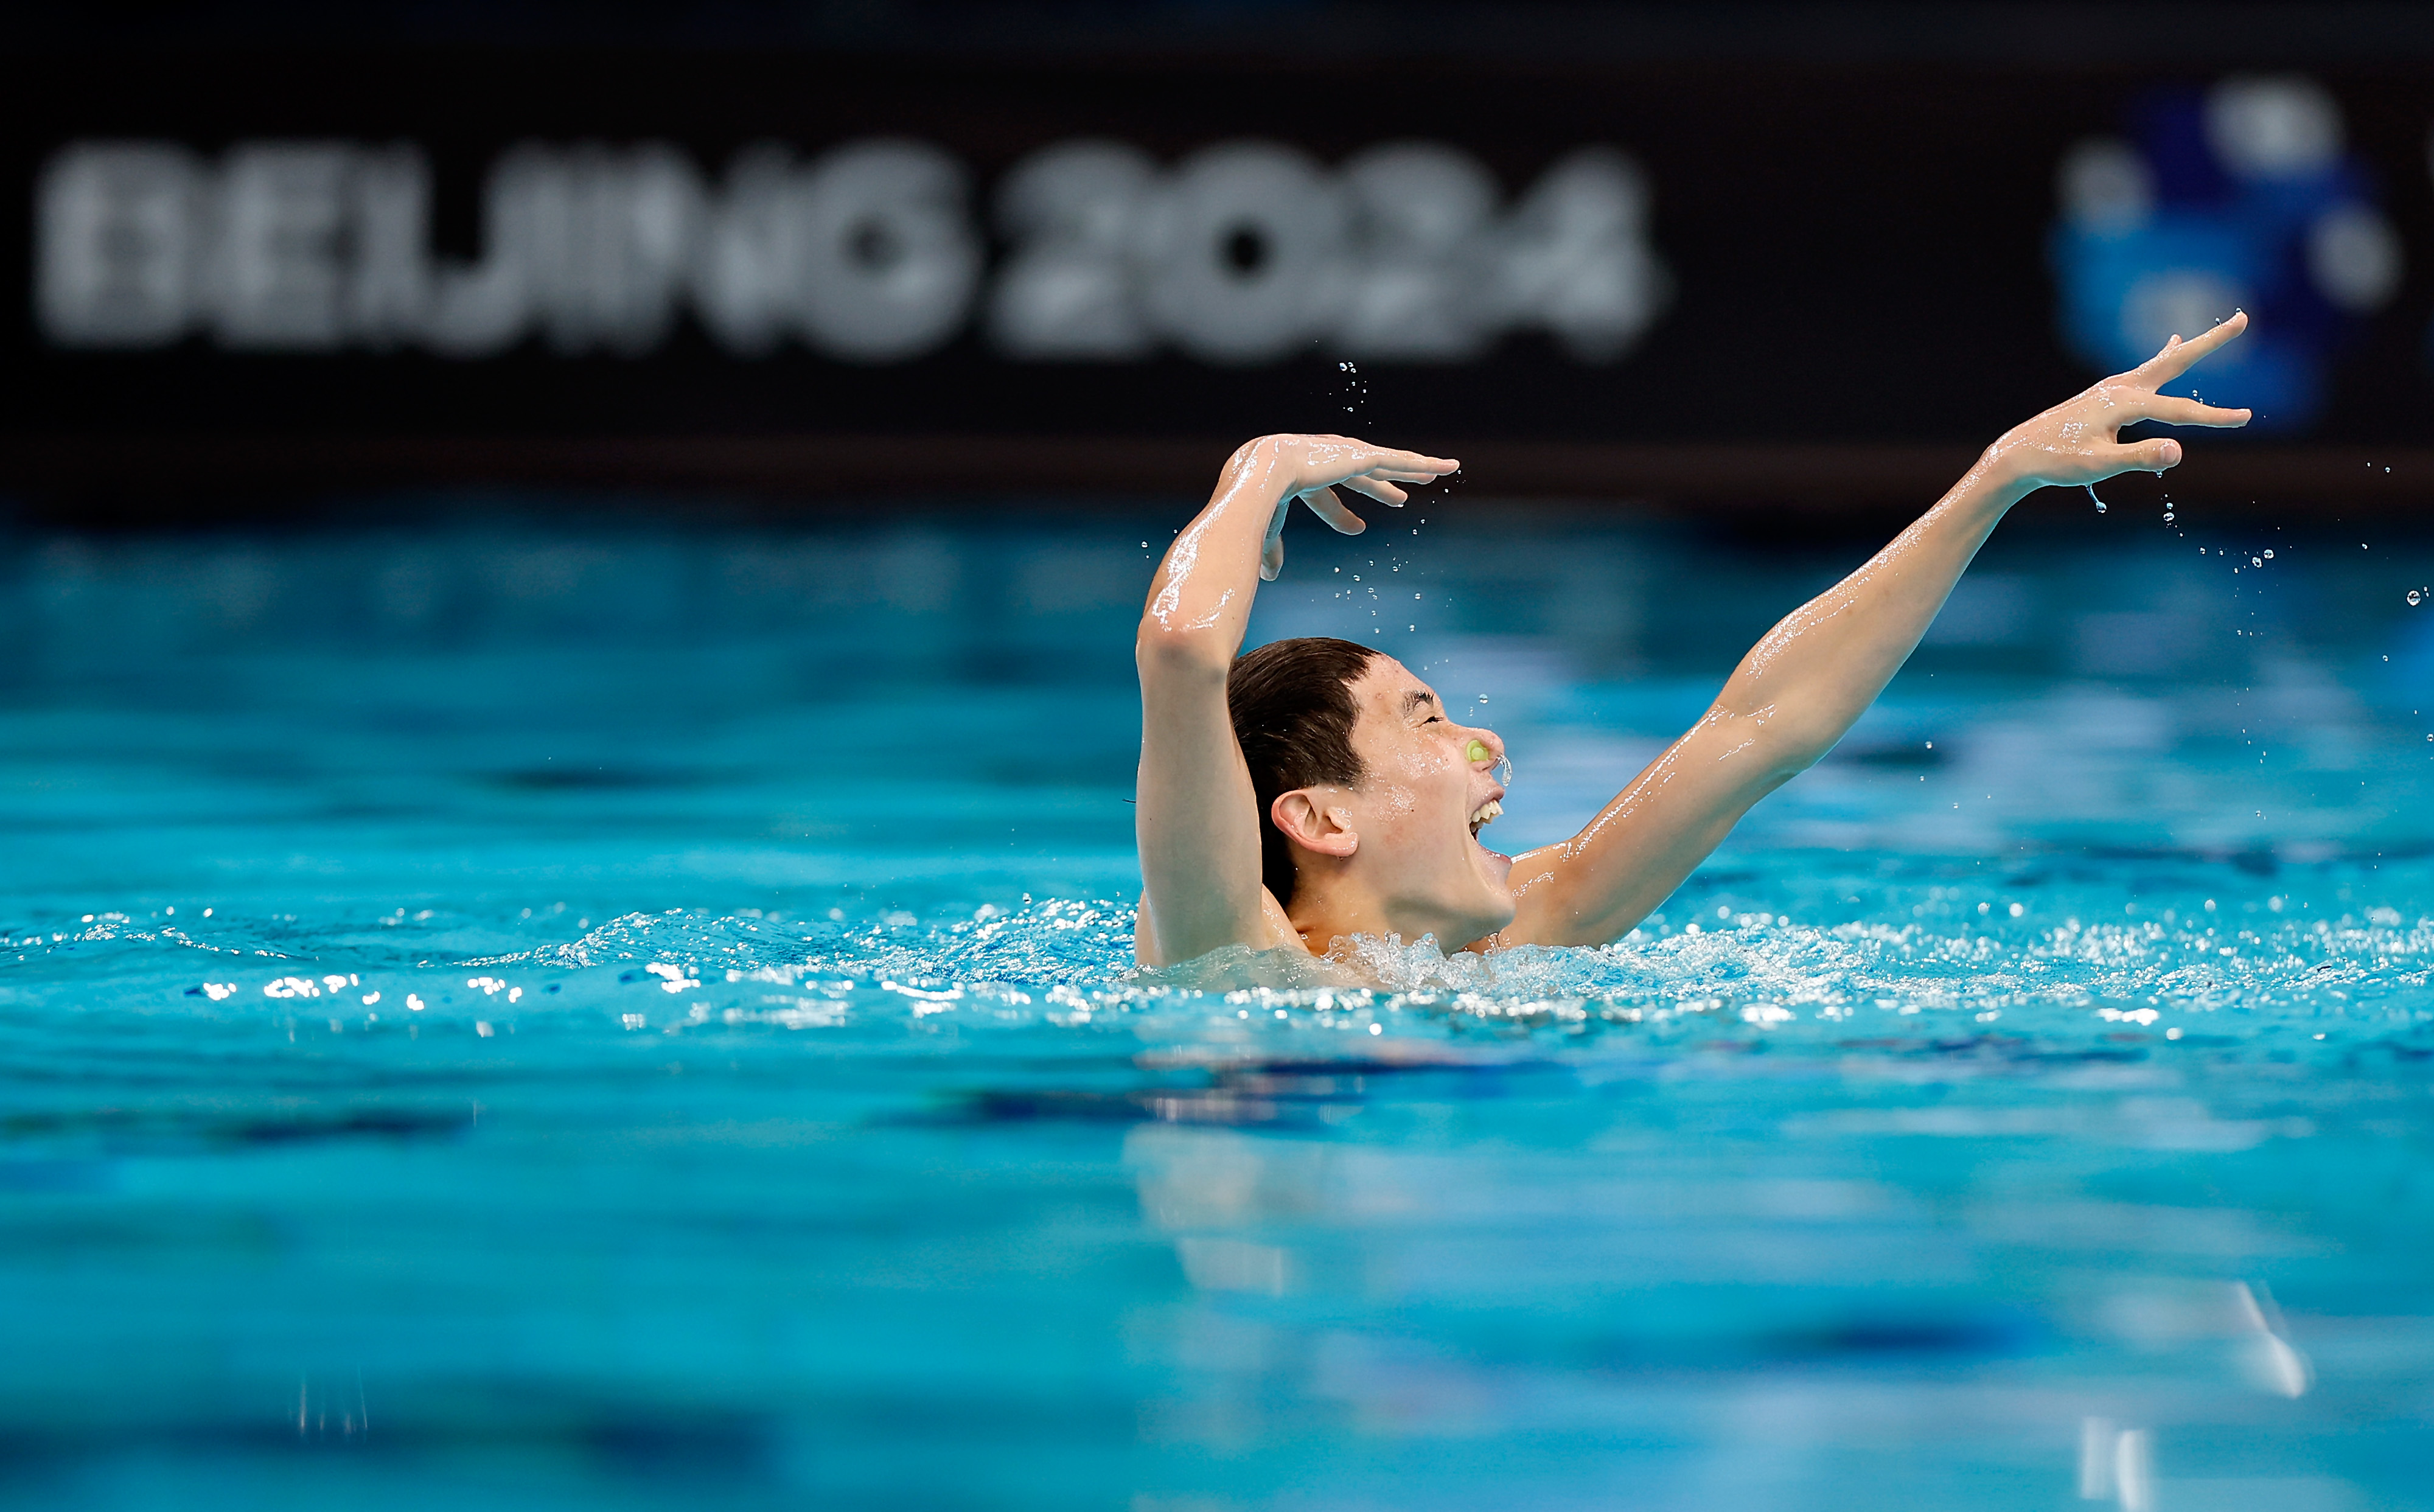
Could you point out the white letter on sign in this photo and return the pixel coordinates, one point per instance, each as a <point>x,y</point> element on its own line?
<point>275,276</point>
<point>114,237</point>
<point>1245,252</point>
<point>889,262</point>
<point>388,298</point>
<point>1074,212</point>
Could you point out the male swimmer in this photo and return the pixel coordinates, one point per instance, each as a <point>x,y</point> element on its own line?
<point>1315,792</point>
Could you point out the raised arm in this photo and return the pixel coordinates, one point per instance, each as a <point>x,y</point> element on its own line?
<point>1198,823</point>
<point>1804,684</point>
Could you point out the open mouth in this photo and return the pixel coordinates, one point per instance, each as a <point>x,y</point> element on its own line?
<point>1485,815</point>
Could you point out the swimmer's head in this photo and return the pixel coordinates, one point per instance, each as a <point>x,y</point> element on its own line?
<point>1358,769</point>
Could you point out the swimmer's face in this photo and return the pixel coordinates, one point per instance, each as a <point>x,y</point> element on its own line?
<point>1430,788</point>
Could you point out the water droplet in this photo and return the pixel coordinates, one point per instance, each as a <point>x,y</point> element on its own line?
<point>2167,516</point>
<point>2269,555</point>
<point>2256,561</point>
<point>2413,598</point>
<point>2091,493</point>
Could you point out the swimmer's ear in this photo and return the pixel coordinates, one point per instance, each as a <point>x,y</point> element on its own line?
<point>1312,826</point>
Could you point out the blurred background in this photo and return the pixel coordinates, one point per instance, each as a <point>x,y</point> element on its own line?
<point>1725,257</point>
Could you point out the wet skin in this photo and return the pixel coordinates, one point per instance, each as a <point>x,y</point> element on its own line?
<point>1424,778</point>
<point>1394,854</point>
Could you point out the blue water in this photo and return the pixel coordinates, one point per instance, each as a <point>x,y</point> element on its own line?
<point>635,1014</point>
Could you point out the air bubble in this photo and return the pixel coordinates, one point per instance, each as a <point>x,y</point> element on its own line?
<point>2414,598</point>
<point>2269,555</point>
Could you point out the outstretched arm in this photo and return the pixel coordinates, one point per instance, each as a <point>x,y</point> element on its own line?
<point>1197,821</point>
<point>1804,684</point>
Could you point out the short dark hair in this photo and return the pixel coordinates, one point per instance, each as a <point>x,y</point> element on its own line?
<point>1292,706</point>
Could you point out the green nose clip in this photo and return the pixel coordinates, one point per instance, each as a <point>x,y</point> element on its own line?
<point>1478,750</point>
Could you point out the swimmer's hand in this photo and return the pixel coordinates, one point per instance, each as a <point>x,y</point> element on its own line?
<point>1311,468</point>
<point>2077,442</point>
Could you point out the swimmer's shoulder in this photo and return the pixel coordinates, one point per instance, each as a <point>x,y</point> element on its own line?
<point>1280,931</point>
<point>1276,932</point>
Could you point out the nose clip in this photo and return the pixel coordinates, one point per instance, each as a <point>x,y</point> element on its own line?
<point>1477,752</point>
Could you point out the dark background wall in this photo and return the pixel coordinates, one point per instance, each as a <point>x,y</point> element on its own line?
<point>1698,253</point>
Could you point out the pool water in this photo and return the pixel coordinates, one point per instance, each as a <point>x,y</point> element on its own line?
<point>636,1014</point>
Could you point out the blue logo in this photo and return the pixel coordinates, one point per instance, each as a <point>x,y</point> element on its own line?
<point>2240,197</point>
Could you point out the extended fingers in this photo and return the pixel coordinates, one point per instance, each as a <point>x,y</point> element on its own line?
<point>2175,411</point>
<point>1378,488</point>
<point>1379,482</point>
<point>1328,507</point>
<point>2178,356</point>
<point>1408,467</point>
<point>2146,457</point>
<point>1370,469</point>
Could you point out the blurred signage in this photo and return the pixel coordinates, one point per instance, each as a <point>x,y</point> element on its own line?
<point>1243,252</point>
<point>723,244</point>
<point>2243,195</point>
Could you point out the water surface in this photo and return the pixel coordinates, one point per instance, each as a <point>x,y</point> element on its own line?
<point>638,1016</point>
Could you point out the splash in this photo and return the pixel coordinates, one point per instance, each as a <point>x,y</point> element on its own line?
<point>2312,983</point>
